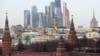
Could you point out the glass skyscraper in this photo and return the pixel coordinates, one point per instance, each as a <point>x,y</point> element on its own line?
<point>52,8</point>
<point>40,23</point>
<point>35,18</point>
<point>58,3</point>
<point>43,20</point>
<point>26,18</point>
<point>47,16</point>
<point>58,12</point>
<point>66,21</point>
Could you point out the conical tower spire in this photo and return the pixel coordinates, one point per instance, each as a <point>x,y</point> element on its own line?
<point>72,24</point>
<point>93,13</point>
<point>72,38</point>
<point>93,22</point>
<point>6,24</point>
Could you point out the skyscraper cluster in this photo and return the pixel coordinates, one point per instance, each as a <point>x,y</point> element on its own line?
<point>44,20</point>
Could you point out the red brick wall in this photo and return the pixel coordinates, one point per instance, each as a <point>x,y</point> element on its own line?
<point>25,53</point>
<point>83,54</point>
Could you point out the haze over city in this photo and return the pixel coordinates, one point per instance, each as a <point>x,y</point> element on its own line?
<point>81,9</point>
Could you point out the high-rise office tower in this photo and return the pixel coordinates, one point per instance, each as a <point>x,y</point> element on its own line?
<point>40,23</point>
<point>93,22</point>
<point>43,20</point>
<point>47,16</point>
<point>58,12</point>
<point>66,21</point>
<point>26,18</point>
<point>35,19</point>
<point>52,9</point>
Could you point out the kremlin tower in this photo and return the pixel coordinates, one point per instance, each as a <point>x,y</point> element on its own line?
<point>72,38</point>
<point>6,40</point>
<point>61,49</point>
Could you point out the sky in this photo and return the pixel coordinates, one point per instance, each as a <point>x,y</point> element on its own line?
<point>81,9</point>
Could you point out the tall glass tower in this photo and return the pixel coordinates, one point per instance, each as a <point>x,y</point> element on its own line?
<point>44,20</point>
<point>66,21</point>
<point>52,9</point>
<point>47,16</point>
<point>40,23</point>
<point>35,19</point>
<point>58,3</point>
<point>58,12</point>
<point>26,18</point>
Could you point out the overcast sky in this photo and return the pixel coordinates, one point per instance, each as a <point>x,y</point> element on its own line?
<point>81,9</point>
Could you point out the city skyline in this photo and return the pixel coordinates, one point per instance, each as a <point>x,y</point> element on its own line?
<point>82,12</point>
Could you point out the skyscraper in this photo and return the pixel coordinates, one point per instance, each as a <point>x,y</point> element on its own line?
<point>93,22</point>
<point>47,16</point>
<point>66,21</point>
<point>26,18</point>
<point>58,3</point>
<point>42,19</point>
<point>58,12</point>
<point>52,8</point>
<point>40,23</point>
<point>35,19</point>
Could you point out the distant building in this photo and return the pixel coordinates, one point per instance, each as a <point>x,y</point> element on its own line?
<point>80,26</point>
<point>92,34</point>
<point>13,28</point>
<point>42,38</point>
<point>26,18</point>
<point>40,23</point>
<point>19,29</point>
<point>93,22</point>
<point>54,23</point>
<point>29,35</point>
<point>44,21</point>
<point>1,31</point>
<point>52,9</point>
<point>47,16</point>
<point>58,12</point>
<point>66,21</point>
<point>35,18</point>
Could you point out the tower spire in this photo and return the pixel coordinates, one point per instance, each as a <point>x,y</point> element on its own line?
<point>6,40</point>
<point>72,24</point>
<point>93,22</point>
<point>6,24</point>
<point>72,37</point>
<point>93,13</point>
